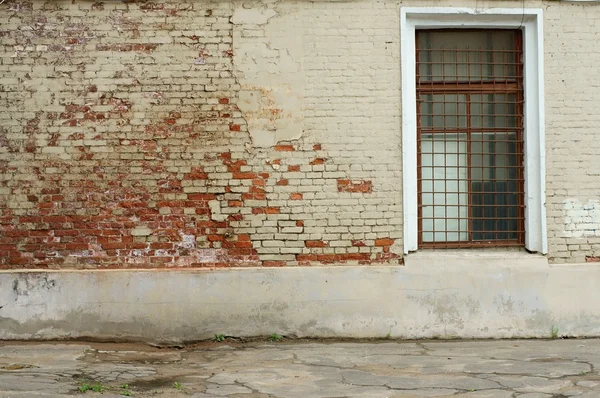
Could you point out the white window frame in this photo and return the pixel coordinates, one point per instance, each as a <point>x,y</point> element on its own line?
<point>530,21</point>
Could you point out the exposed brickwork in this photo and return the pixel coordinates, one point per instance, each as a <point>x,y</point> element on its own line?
<point>124,141</point>
<point>355,186</point>
<point>122,145</point>
<point>109,166</point>
<point>284,148</point>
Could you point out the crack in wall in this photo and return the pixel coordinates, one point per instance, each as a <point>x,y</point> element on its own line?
<point>265,63</point>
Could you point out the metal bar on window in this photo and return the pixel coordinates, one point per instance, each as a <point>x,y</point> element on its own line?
<point>470,138</point>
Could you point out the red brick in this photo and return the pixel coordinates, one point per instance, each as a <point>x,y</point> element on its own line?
<point>32,219</point>
<point>161,245</point>
<point>315,243</point>
<point>306,257</point>
<point>354,186</point>
<point>197,173</point>
<point>201,196</point>
<point>235,166</point>
<point>268,263</point>
<point>54,219</point>
<point>240,252</point>
<point>384,242</point>
<point>284,148</point>
<point>328,258</point>
<point>354,257</point>
<point>113,245</point>
<point>296,196</point>
<point>243,176</point>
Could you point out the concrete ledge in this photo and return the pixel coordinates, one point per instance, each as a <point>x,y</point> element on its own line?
<point>475,258</point>
<point>482,301</point>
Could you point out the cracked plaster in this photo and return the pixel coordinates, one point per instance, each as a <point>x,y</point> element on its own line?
<point>267,59</point>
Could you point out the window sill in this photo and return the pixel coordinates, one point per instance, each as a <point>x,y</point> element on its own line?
<point>502,258</point>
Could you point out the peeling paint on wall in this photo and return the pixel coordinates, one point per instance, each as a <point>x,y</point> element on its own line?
<point>581,219</point>
<point>267,60</point>
<point>178,133</point>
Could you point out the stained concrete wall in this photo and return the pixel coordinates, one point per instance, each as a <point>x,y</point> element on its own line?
<point>443,299</point>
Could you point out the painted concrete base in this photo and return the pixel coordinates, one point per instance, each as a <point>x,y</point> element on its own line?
<point>471,300</point>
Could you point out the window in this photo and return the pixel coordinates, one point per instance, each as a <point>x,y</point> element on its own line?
<point>476,135</point>
<point>469,87</point>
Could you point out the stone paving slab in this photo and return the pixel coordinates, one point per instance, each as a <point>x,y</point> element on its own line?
<point>296,368</point>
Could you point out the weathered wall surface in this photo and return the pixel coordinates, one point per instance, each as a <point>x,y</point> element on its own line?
<point>572,116</point>
<point>226,133</point>
<point>433,300</point>
<point>194,133</point>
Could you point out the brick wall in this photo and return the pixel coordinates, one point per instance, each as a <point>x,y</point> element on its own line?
<point>176,133</point>
<point>572,140</point>
<point>123,145</point>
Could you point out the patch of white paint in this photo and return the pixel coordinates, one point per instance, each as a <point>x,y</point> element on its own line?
<point>187,242</point>
<point>581,219</point>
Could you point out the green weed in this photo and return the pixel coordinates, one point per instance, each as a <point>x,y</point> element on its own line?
<point>125,390</point>
<point>178,386</point>
<point>275,337</point>
<point>96,387</point>
<point>219,338</point>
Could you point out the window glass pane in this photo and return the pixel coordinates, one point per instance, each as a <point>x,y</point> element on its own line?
<point>493,110</point>
<point>443,111</point>
<point>444,187</point>
<point>467,55</point>
<point>494,186</point>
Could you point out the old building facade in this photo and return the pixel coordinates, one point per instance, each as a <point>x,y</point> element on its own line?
<point>185,134</point>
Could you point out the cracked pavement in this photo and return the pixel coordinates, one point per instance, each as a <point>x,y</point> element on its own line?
<point>305,368</point>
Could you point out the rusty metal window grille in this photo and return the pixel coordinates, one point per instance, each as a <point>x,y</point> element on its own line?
<point>470,138</point>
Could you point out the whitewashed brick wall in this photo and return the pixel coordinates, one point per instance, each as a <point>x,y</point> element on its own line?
<point>214,133</point>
